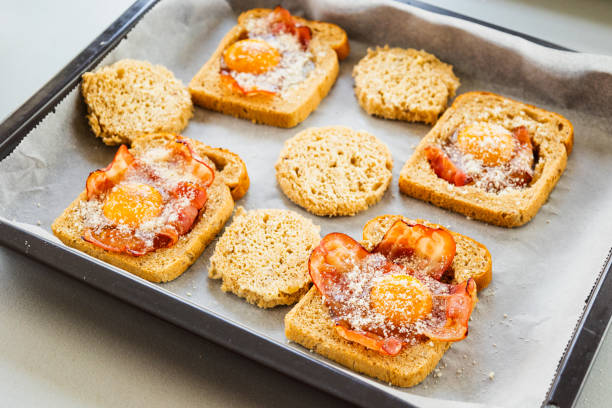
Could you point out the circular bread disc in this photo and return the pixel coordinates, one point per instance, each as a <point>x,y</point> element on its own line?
<point>334,170</point>
<point>263,256</point>
<point>131,98</point>
<point>404,84</point>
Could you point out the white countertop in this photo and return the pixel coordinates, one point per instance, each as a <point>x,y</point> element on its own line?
<point>65,344</point>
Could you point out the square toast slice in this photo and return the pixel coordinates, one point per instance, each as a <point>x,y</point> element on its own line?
<point>552,138</point>
<point>328,45</point>
<point>165,264</point>
<point>309,324</point>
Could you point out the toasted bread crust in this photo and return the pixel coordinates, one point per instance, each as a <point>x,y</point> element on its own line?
<point>552,135</point>
<point>308,323</point>
<point>164,264</point>
<point>208,91</point>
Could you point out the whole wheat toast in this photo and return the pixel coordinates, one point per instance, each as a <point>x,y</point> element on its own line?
<point>404,84</point>
<point>131,98</point>
<point>328,45</point>
<point>165,264</point>
<point>551,135</point>
<point>309,324</point>
<point>350,172</point>
<point>273,247</point>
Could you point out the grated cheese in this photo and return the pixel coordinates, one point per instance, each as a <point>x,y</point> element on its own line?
<point>293,68</point>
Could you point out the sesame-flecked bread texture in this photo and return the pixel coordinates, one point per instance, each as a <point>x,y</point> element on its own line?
<point>404,84</point>
<point>263,256</point>
<point>131,98</point>
<point>309,324</point>
<point>166,264</point>
<point>334,170</point>
<point>328,45</point>
<point>551,135</point>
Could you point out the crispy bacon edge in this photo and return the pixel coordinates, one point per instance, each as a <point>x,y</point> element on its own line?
<point>435,247</point>
<point>444,167</point>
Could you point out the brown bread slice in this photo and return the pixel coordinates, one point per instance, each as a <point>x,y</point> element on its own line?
<point>263,256</point>
<point>551,135</point>
<point>166,264</point>
<point>404,84</point>
<point>334,170</point>
<point>308,323</point>
<point>328,45</point>
<point>130,98</point>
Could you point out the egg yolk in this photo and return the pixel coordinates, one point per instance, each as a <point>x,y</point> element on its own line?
<point>252,56</point>
<point>131,204</point>
<point>401,299</point>
<point>491,144</point>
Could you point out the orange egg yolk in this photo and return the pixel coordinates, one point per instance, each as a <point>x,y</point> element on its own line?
<point>252,56</point>
<point>491,144</point>
<point>401,299</point>
<point>131,204</point>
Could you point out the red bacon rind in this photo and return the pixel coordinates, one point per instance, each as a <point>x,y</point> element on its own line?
<point>522,135</point>
<point>111,239</point>
<point>444,167</point>
<point>284,22</point>
<point>522,176</point>
<point>187,214</point>
<point>458,310</point>
<point>104,179</point>
<point>337,253</point>
<point>389,346</point>
<point>434,248</point>
<point>203,172</point>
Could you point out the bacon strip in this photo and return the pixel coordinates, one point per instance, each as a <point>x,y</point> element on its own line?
<point>285,23</point>
<point>389,346</point>
<point>458,310</point>
<point>433,248</point>
<point>522,135</point>
<point>444,167</point>
<point>104,179</point>
<point>337,253</point>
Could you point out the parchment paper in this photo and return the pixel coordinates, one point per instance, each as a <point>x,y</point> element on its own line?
<point>542,272</point>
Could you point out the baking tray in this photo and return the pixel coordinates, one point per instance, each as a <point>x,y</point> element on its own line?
<point>573,367</point>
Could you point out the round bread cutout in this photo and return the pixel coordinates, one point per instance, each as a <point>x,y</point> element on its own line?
<point>404,84</point>
<point>263,256</point>
<point>131,98</point>
<point>334,170</point>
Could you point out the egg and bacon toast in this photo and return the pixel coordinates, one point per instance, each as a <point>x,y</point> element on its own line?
<point>490,158</point>
<point>271,68</point>
<point>390,306</point>
<point>153,210</point>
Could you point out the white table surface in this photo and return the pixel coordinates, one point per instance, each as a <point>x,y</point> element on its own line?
<point>64,344</point>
